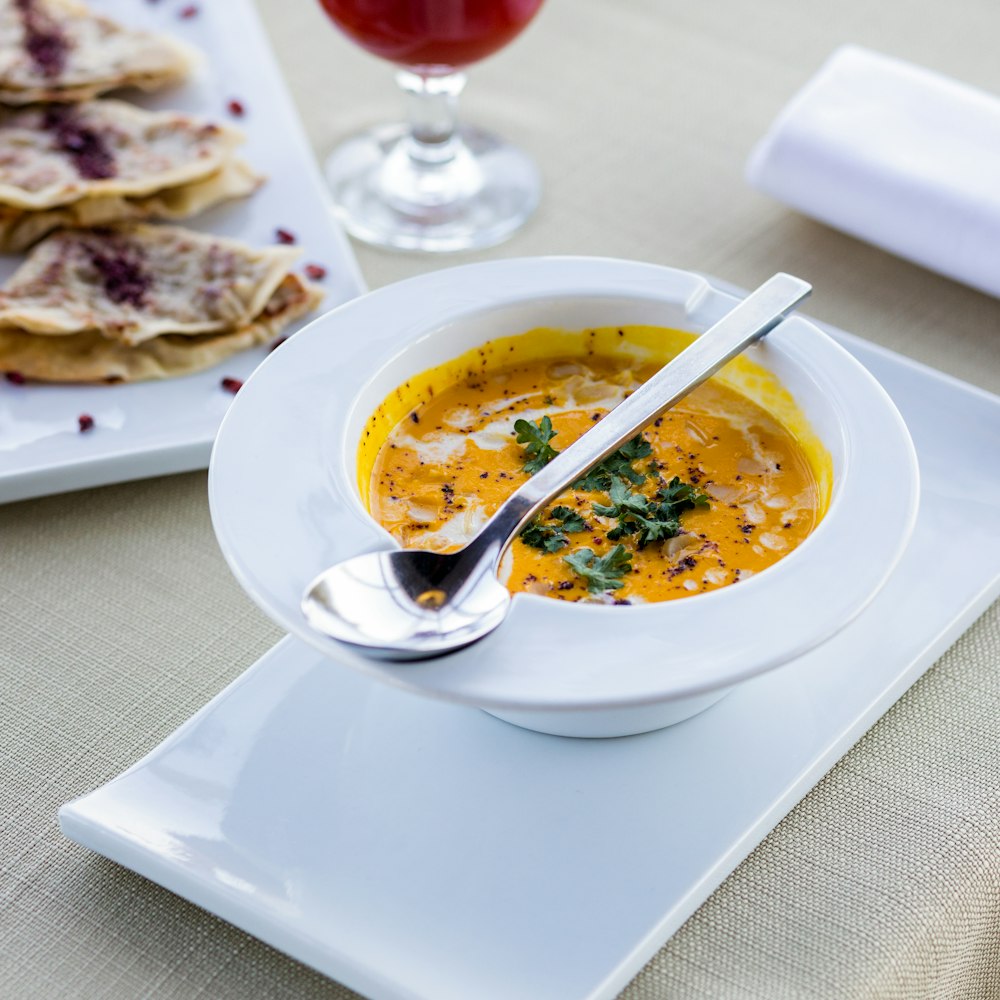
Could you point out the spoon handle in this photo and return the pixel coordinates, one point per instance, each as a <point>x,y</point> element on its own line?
<point>759,313</point>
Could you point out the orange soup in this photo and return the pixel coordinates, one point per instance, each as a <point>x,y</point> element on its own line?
<point>716,490</point>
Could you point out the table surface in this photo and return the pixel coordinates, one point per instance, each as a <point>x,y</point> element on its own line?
<point>120,618</point>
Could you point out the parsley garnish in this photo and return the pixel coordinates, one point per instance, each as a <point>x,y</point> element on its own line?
<point>551,537</point>
<point>570,518</point>
<point>536,438</point>
<point>602,573</point>
<point>683,496</point>
<point>618,463</point>
<point>650,520</point>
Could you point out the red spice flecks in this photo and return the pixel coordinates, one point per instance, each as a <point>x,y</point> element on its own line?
<point>125,279</point>
<point>84,146</point>
<point>185,13</point>
<point>44,41</point>
<point>16,378</point>
<point>236,108</point>
<point>86,422</point>
<point>284,235</point>
<point>232,385</point>
<point>315,271</point>
<point>277,343</point>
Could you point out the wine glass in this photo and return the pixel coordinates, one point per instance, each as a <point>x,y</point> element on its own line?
<point>431,184</point>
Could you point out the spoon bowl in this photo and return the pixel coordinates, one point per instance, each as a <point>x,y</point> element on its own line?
<point>411,604</point>
<point>407,603</point>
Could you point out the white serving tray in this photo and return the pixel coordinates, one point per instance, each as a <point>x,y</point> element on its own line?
<point>160,427</point>
<point>413,849</point>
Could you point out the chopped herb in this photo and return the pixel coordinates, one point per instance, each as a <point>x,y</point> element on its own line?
<point>635,449</point>
<point>650,520</point>
<point>602,573</point>
<point>570,518</point>
<point>544,536</point>
<point>618,463</point>
<point>552,537</point>
<point>681,495</point>
<point>536,438</point>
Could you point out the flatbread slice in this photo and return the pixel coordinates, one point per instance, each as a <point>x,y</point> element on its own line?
<point>19,229</point>
<point>132,282</point>
<point>91,357</point>
<point>57,154</point>
<point>58,50</point>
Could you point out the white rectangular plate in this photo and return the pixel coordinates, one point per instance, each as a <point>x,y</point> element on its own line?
<point>154,428</point>
<point>412,849</point>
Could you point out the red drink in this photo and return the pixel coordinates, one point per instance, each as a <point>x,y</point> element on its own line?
<point>431,33</point>
<point>430,184</point>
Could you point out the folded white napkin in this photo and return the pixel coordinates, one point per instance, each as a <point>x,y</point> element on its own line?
<point>897,155</point>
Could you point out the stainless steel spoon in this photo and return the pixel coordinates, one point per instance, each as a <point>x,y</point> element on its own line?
<point>409,604</point>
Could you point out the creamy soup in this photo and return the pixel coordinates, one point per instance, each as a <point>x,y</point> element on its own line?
<point>717,489</point>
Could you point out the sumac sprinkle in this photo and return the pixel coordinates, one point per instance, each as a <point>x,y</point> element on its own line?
<point>43,40</point>
<point>84,146</point>
<point>121,269</point>
<point>236,108</point>
<point>185,13</point>
<point>86,422</point>
<point>14,377</point>
<point>232,385</point>
<point>315,271</point>
<point>284,235</point>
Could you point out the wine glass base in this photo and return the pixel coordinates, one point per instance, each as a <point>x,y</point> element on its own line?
<point>495,190</point>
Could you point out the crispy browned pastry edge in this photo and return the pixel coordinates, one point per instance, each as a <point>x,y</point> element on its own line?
<point>91,357</point>
<point>19,228</point>
<point>180,60</point>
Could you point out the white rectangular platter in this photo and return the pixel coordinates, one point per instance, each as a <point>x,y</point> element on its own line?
<point>155,428</point>
<point>418,850</point>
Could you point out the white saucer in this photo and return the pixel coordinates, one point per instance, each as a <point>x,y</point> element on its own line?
<point>419,850</point>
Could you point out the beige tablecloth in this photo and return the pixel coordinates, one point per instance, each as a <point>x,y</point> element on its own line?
<point>119,617</point>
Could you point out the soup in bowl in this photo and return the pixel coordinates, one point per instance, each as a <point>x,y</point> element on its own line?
<point>754,522</point>
<point>714,491</point>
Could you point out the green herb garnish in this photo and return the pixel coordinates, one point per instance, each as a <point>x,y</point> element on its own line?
<point>602,573</point>
<point>571,519</point>
<point>618,463</point>
<point>682,496</point>
<point>650,520</point>
<point>551,537</point>
<point>536,438</point>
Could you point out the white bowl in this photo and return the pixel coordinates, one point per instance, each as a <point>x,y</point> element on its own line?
<point>285,505</point>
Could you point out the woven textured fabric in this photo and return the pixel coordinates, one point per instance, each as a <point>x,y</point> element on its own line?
<point>884,884</point>
<point>119,618</point>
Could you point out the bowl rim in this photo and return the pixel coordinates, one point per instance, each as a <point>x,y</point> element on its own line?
<point>880,455</point>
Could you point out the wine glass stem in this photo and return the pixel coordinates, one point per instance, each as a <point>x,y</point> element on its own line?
<point>432,110</point>
<point>431,166</point>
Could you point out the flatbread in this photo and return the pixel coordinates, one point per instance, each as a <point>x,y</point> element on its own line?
<point>132,282</point>
<point>51,156</point>
<point>58,50</point>
<point>91,357</point>
<point>20,229</point>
